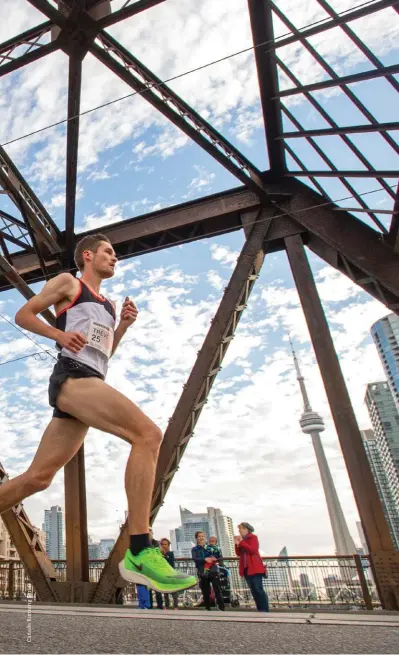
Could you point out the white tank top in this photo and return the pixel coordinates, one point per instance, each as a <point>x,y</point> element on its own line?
<point>94,317</point>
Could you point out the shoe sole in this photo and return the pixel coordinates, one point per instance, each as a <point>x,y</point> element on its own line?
<point>139,578</point>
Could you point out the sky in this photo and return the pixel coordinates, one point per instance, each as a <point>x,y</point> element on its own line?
<point>248,456</point>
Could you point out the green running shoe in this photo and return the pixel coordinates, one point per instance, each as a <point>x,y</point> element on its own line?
<point>151,569</point>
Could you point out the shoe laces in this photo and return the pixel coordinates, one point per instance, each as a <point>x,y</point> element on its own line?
<point>155,556</point>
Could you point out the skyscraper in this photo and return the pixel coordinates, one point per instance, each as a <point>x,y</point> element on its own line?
<point>311,423</point>
<point>212,522</point>
<point>384,418</point>
<point>54,528</point>
<point>385,333</point>
<point>384,485</point>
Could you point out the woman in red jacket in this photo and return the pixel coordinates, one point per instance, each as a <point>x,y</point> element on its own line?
<point>251,565</point>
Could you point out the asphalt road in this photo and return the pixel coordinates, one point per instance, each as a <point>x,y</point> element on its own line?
<point>82,633</point>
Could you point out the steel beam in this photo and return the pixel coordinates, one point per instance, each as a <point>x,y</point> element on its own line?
<point>77,549</point>
<point>339,81</point>
<point>364,10</point>
<point>127,12</point>
<point>355,173</point>
<point>51,12</point>
<point>168,103</point>
<point>30,550</point>
<point>384,560</point>
<point>190,221</point>
<point>262,32</point>
<point>24,198</point>
<point>19,283</point>
<point>358,248</point>
<point>333,131</point>
<point>34,49</point>
<point>393,236</point>
<point>196,390</point>
<point>74,89</point>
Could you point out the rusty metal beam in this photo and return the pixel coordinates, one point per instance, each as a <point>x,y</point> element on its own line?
<point>354,173</point>
<point>23,197</point>
<point>113,55</point>
<point>339,81</point>
<point>190,221</point>
<point>51,12</point>
<point>77,550</point>
<point>194,396</point>
<point>393,236</point>
<point>374,265</point>
<point>348,129</point>
<point>127,12</point>
<point>261,18</point>
<point>19,283</point>
<point>30,39</point>
<point>384,560</point>
<point>74,89</point>
<point>30,550</point>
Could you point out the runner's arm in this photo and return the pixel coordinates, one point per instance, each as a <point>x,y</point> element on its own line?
<point>53,292</point>
<point>128,317</point>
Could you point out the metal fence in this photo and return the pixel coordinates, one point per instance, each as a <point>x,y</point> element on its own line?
<point>301,582</point>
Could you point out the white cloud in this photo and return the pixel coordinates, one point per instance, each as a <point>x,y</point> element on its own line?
<point>224,255</point>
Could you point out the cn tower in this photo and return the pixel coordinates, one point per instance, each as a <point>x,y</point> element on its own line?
<point>312,423</point>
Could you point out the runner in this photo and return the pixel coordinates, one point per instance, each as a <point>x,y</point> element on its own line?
<point>86,337</point>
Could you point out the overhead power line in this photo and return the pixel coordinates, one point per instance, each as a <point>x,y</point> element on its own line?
<point>180,75</point>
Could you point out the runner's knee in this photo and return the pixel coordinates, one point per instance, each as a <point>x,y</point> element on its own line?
<point>38,480</point>
<point>150,436</point>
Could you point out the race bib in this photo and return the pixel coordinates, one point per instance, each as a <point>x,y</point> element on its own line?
<point>100,337</point>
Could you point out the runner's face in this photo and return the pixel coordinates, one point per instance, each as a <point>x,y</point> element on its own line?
<point>104,260</point>
<point>165,546</point>
<point>201,539</point>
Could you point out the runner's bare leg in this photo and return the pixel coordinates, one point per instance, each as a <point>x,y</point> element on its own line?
<point>95,403</point>
<point>60,442</point>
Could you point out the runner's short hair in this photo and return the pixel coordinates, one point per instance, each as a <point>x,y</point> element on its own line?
<point>91,242</point>
<point>165,539</point>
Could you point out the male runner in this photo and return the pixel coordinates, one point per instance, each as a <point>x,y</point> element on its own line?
<point>86,337</point>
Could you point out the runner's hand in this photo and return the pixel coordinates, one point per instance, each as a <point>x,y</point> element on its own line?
<point>128,313</point>
<point>73,341</point>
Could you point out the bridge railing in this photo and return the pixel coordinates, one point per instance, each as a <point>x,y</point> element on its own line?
<point>302,581</point>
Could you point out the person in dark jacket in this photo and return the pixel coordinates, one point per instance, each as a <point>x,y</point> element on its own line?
<point>170,557</point>
<point>251,564</point>
<point>202,555</point>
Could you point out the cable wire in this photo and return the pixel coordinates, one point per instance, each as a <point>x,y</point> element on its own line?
<point>42,356</point>
<point>25,335</point>
<point>180,75</point>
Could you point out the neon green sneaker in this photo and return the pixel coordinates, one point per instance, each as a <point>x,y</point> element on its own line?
<point>151,569</point>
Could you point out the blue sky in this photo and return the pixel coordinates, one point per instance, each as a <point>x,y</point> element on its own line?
<point>248,455</point>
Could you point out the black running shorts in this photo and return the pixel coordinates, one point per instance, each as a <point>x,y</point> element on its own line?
<point>67,368</point>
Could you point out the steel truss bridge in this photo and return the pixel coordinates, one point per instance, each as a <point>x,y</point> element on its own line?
<point>286,207</point>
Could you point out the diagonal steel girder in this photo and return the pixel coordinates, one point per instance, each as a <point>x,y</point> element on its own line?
<point>46,231</point>
<point>34,49</point>
<point>167,102</point>
<point>128,11</point>
<point>24,536</point>
<point>198,386</point>
<point>19,283</point>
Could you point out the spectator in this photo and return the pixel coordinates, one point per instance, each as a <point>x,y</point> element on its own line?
<point>170,557</point>
<point>251,564</point>
<point>143,596</point>
<point>208,576</point>
<point>158,595</point>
